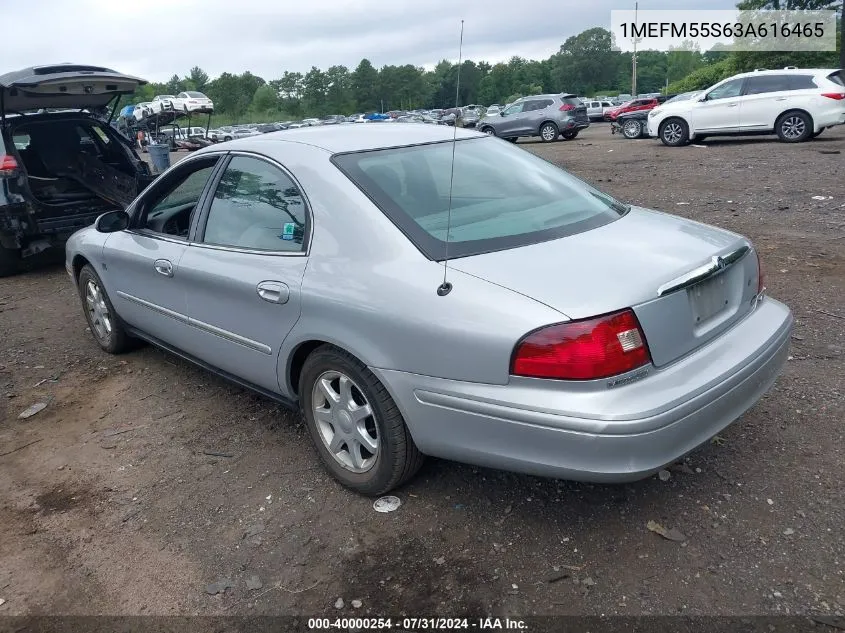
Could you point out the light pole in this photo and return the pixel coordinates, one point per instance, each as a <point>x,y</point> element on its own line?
<point>634,57</point>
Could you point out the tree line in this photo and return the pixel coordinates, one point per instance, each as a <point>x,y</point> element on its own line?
<point>585,64</point>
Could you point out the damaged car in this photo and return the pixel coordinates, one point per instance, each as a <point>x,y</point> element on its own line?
<point>61,162</point>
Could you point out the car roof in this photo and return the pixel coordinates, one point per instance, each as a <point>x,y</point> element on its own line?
<point>353,138</point>
<point>788,71</point>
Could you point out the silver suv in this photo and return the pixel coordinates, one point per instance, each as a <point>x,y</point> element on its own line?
<point>546,116</point>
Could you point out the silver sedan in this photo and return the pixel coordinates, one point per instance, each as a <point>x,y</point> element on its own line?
<point>418,296</point>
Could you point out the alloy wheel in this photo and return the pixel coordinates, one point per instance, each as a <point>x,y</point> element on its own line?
<point>345,421</point>
<point>793,127</point>
<point>631,129</point>
<point>98,311</point>
<point>548,133</point>
<point>672,133</point>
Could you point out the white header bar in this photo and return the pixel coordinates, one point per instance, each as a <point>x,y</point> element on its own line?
<point>728,29</point>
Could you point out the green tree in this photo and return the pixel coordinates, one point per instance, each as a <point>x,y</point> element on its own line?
<point>265,99</point>
<point>198,77</point>
<point>364,84</point>
<point>314,89</point>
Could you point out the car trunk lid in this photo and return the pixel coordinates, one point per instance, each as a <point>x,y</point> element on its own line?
<point>72,86</point>
<point>662,266</point>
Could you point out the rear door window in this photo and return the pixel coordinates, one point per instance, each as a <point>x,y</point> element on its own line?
<point>766,83</point>
<point>256,207</point>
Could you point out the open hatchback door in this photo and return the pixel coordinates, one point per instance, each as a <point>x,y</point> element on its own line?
<point>71,86</point>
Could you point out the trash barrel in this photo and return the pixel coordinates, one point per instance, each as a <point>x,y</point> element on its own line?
<point>160,155</point>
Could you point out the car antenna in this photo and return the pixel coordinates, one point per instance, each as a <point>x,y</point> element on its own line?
<point>446,287</point>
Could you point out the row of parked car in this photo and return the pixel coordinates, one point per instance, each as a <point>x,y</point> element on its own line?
<point>793,103</point>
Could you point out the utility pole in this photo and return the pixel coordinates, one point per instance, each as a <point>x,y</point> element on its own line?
<point>842,41</point>
<point>634,58</point>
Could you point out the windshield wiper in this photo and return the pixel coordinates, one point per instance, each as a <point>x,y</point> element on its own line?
<point>617,206</point>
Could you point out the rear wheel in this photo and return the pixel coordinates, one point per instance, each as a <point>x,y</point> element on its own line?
<point>568,136</point>
<point>549,132</point>
<point>674,132</point>
<point>632,129</point>
<point>794,127</point>
<point>355,425</point>
<point>103,321</point>
<point>489,131</point>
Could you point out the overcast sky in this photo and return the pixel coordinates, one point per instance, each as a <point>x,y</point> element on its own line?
<point>268,37</point>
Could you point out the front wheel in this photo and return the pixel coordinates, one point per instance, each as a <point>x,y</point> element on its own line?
<point>489,131</point>
<point>549,132</point>
<point>103,321</point>
<point>354,424</point>
<point>794,127</point>
<point>674,132</point>
<point>632,129</point>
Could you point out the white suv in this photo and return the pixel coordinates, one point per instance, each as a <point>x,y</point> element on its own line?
<point>796,104</point>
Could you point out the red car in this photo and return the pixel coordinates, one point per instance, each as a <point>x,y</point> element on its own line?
<point>635,105</point>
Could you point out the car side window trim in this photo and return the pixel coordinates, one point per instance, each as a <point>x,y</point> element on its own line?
<point>202,217</point>
<point>137,206</point>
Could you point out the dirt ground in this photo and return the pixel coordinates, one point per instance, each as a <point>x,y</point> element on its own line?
<point>147,486</point>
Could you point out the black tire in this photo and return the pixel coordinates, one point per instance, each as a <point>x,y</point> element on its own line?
<point>488,130</point>
<point>568,136</point>
<point>632,129</point>
<point>398,458</point>
<point>10,261</point>
<point>116,340</point>
<point>794,127</point>
<point>548,132</point>
<point>674,132</point>
<point>227,138</point>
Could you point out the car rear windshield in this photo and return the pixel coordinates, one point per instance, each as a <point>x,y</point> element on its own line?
<point>196,95</point>
<point>501,196</point>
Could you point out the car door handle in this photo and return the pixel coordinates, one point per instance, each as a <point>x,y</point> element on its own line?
<point>732,105</point>
<point>781,98</point>
<point>163,267</point>
<point>273,291</point>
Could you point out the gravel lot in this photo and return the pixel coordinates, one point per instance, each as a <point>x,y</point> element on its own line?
<point>149,486</point>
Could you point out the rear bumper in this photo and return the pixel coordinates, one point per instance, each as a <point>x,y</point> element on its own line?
<point>595,433</point>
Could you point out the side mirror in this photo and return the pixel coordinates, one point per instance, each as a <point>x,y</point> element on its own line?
<point>112,221</point>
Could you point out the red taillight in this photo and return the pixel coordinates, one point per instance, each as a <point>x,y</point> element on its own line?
<point>839,96</point>
<point>8,165</point>
<point>566,107</point>
<point>583,350</point>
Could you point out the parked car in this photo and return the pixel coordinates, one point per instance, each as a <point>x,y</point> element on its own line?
<point>796,104</point>
<point>596,109</point>
<point>546,116</point>
<point>634,105</point>
<point>194,132</point>
<point>266,128</point>
<point>245,132</point>
<point>163,103</point>
<point>536,355</point>
<point>142,111</point>
<point>493,110</point>
<point>60,169</point>
<point>192,101</point>
<point>634,125</point>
